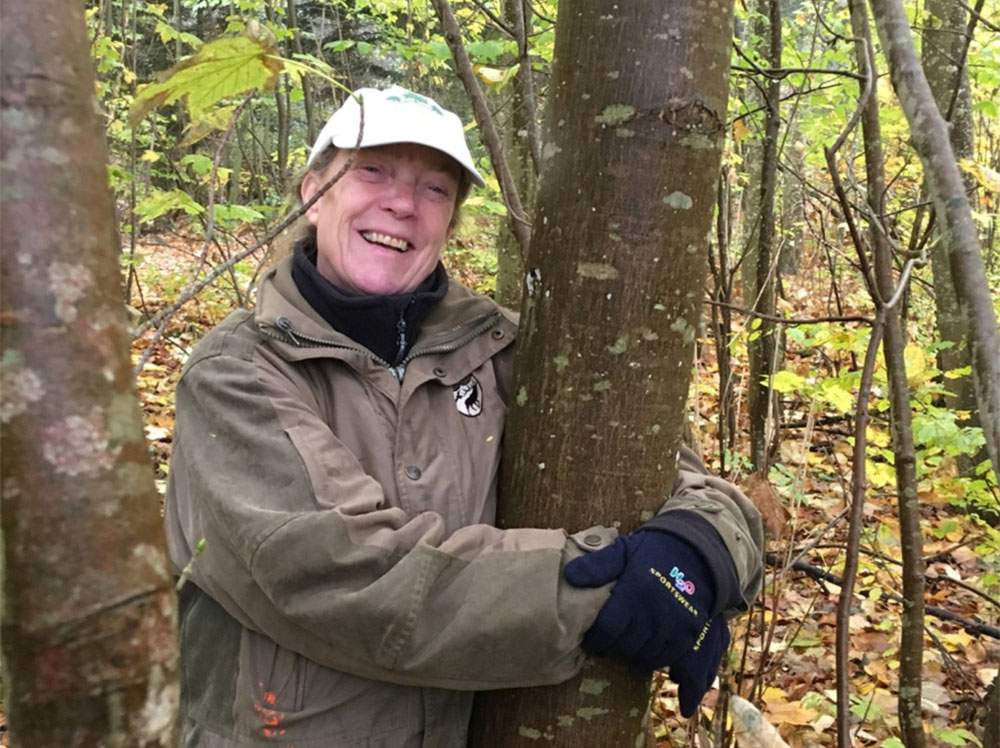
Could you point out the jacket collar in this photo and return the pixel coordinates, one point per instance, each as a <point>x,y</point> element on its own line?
<point>299,332</point>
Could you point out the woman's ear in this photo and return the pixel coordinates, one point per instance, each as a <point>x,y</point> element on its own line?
<point>310,183</point>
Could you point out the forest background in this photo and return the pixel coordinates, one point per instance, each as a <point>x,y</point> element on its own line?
<point>210,107</point>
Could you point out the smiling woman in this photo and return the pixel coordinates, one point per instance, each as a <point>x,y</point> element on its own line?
<point>381,228</point>
<point>338,449</point>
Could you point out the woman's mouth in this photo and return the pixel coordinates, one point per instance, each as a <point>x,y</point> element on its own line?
<point>384,240</point>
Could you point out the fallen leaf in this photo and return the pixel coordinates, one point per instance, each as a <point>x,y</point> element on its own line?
<point>792,713</point>
<point>763,496</point>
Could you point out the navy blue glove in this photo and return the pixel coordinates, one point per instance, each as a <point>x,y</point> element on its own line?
<point>695,671</point>
<point>663,598</point>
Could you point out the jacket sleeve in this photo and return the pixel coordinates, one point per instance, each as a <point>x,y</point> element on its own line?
<point>345,580</point>
<point>700,504</point>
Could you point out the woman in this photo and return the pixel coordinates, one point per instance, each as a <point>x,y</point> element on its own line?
<point>338,448</point>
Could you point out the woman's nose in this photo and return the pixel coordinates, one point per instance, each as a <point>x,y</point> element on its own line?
<point>400,198</point>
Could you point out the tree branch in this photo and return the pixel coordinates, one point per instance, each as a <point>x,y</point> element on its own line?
<point>974,627</point>
<point>162,318</point>
<point>791,320</point>
<point>520,225</point>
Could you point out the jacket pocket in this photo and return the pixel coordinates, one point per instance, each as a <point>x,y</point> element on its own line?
<point>283,696</point>
<point>269,686</point>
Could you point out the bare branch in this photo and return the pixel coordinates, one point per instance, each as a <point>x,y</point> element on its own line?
<point>162,318</point>
<point>520,224</point>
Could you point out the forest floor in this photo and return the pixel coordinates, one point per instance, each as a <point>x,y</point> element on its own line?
<point>782,657</point>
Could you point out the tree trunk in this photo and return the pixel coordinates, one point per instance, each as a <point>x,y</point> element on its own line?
<point>510,265</point>
<point>88,609</point>
<point>753,100</point>
<point>793,203</point>
<point>722,323</point>
<point>944,50</point>
<point>929,135</point>
<point>911,647</point>
<point>761,346</point>
<point>292,20</point>
<point>611,311</point>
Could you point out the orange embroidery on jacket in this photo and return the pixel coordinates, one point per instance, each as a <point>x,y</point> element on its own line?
<point>270,718</point>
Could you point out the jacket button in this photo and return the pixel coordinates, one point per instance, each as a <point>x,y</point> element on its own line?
<point>593,540</point>
<point>439,372</point>
<point>497,334</point>
<point>412,472</point>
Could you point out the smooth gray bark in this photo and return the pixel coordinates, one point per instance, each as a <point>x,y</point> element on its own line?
<point>929,135</point>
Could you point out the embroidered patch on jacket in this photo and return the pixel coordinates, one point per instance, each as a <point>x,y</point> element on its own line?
<point>469,397</point>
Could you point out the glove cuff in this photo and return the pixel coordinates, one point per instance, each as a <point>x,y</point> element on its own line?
<point>703,539</point>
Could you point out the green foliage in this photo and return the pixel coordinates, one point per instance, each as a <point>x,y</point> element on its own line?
<point>161,202</point>
<point>957,736</point>
<point>221,69</point>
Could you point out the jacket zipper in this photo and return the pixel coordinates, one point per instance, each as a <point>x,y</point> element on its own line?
<point>401,332</point>
<point>485,326</point>
<point>289,334</point>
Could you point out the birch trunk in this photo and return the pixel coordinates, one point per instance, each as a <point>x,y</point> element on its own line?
<point>929,135</point>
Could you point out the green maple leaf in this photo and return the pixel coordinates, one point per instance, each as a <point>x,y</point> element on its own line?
<point>219,70</point>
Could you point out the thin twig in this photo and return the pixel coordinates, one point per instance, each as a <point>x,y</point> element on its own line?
<point>527,85</point>
<point>976,14</point>
<point>520,225</point>
<point>284,224</point>
<point>496,19</point>
<point>782,73</point>
<point>960,65</point>
<point>209,230</point>
<point>186,573</point>
<point>792,320</point>
<point>974,627</point>
<point>858,485</point>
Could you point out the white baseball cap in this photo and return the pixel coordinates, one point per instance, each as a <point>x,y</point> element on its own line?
<point>396,115</point>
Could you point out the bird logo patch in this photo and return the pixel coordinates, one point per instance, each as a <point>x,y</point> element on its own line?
<point>468,397</point>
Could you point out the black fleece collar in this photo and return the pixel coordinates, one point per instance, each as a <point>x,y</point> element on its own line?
<point>388,326</point>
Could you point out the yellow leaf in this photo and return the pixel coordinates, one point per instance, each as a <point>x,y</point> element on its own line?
<point>490,75</point>
<point>916,364</point>
<point>792,713</point>
<point>151,156</point>
<point>877,437</point>
<point>774,695</point>
<point>955,641</point>
<point>740,130</point>
<point>986,176</point>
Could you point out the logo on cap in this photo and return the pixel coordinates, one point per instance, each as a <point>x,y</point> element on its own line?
<point>416,98</point>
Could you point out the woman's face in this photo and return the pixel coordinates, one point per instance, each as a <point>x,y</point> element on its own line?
<point>381,228</point>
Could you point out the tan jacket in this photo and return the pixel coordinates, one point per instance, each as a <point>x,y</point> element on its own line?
<point>352,591</point>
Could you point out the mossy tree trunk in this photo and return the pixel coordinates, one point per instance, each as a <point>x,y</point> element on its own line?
<point>612,306</point>
<point>88,608</point>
